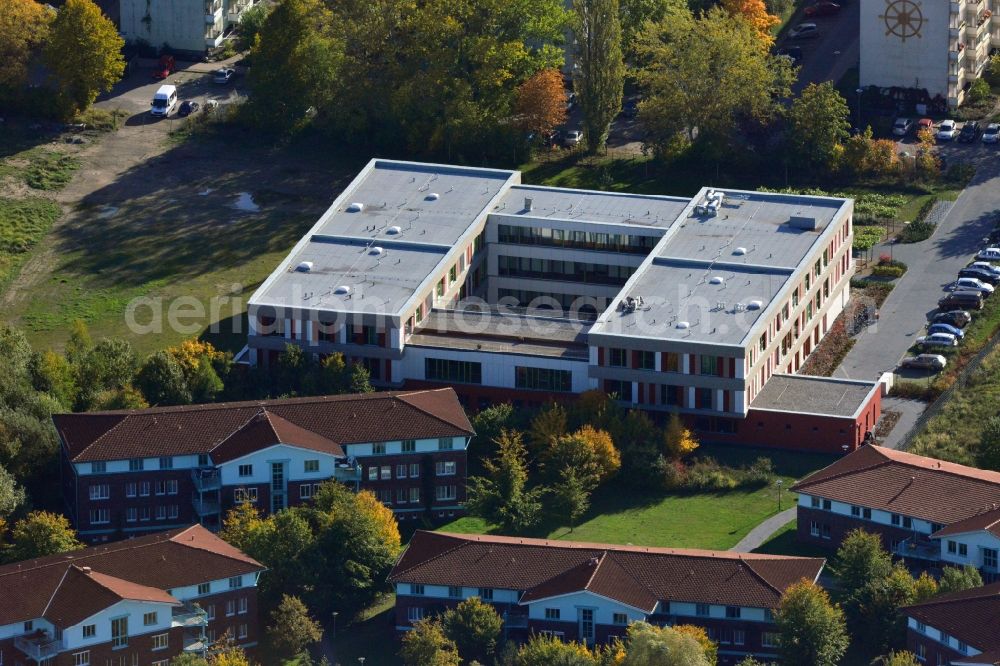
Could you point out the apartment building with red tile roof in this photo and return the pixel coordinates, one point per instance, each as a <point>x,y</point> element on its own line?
<point>144,600</point>
<point>137,471</point>
<point>592,592</point>
<point>930,511</point>
<point>958,629</point>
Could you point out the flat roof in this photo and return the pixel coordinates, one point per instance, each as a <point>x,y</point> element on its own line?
<point>487,343</point>
<point>517,323</point>
<point>767,229</point>
<point>813,395</point>
<point>640,210</point>
<point>695,302</point>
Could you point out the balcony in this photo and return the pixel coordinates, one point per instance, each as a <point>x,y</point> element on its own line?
<point>38,646</point>
<point>916,548</point>
<point>188,615</point>
<point>195,644</point>
<point>347,473</point>
<point>516,621</point>
<point>205,507</point>
<point>206,480</point>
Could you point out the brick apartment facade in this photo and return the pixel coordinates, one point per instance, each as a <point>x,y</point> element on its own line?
<point>931,512</point>
<point>140,601</point>
<point>956,629</point>
<point>139,471</point>
<point>592,592</point>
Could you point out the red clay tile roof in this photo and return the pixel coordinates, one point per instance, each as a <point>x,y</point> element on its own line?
<point>904,483</point>
<point>971,616</point>
<point>265,429</point>
<point>988,521</point>
<point>633,575</point>
<point>166,560</point>
<point>81,594</point>
<point>325,423</point>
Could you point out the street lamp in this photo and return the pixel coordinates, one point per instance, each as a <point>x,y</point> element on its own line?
<point>859,91</point>
<point>334,624</point>
<point>361,660</point>
<point>779,483</point>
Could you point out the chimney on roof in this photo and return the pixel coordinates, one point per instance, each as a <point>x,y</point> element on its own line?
<point>592,562</point>
<point>86,570</point>
<point>528,203</point>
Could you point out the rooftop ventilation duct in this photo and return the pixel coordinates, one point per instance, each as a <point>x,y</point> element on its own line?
<point>355,207</point>
<point>755,305</point>
<point>716,279</point>
<point>394,230</point>
<point>342,290</point>
<point>740,251</point>
<point>803,222</point>
<point>304,266</point>
<point>683,325</point>
<point>433,196</point>
<point>528,204</point>
<point>376,250</point>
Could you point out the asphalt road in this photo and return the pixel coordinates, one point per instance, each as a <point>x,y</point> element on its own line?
<point>829,56</point>
<point>932,265</point>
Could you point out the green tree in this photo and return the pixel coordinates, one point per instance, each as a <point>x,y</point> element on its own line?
<point>41,533</point>
<point>750,661</point>
<point>879,625</point>
<point>956,579</point>
<point>861,560</point>
<point>426,645</point>
<point>188,659</point>
<point>488,423</point>
<point>548,425</point>
<point>818,123</point>
<point>988,451</point>
<point>79,343</point>
<point>108,365</point>
<point>161,380</point>
<point>292,630</point>
<point>360,379</point>
<point>24,24</point>
<point>678,441</point>
<point>571,497</point>
<point>924,588</point>
<point>474,626</point>
<point>83,53</point>
<point>811,629</point>
<point>297,61</point>
<point>54,375</point>
<point>501,496</point>
<point>900,658</point>
<point>663,646</point>
<point>550,651</point>
<point>979,91</point>
<point>704,76</point>
<point>11,494</point>
<point>634,14</point>
<point>251,22</point>
<point>599,68</point>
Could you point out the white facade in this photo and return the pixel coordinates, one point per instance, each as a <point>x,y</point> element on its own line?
<point>192,26</point>
<point>980,549</point>
<point>148,464</point>
<point>942,637</point>
<point>567,606</point>
<point>259,465</point>
<point>396,447</point>
<point>917,525</point>
<point>937,46</point>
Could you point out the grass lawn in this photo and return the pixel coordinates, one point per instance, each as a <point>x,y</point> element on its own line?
<point>783,542</point>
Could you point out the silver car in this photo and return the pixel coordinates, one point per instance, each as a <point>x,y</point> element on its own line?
<point>938,340</point>
<point>925,361</point>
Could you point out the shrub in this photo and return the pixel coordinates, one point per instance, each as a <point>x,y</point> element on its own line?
<point>888,270</point>
<point>916,232</point>
<point>760,473</point>
<point>867,237</point>
<point>979,91</point>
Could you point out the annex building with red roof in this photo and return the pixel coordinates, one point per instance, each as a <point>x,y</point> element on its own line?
<point>932,512</point>
<point>592,592</point>
<point>138,471</point>
<point>143,600</point>
<point>958,629</point>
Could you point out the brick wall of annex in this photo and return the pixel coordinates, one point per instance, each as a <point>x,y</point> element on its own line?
<point>934,652</point>
<point>840,525</point>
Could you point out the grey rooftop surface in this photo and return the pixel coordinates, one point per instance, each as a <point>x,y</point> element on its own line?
<point>507,323</point>
<point>681,302</point>
<point>758,223</point>
<point>590,206</point>
<point>814,395</point>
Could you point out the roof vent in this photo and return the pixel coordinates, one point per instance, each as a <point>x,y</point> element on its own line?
<point>433,196</point>
<point>86,570</point>
<point>755,305</point>
<point>528,203</point>
<point>683,325</point>
<point>342,290</point>
<point>740,251</point>
<point>394,230</point>
<point>304,266</point>
<point>376,250</point>
<point>716,279</point>
<point>803,222</point>
<point>355,207</point>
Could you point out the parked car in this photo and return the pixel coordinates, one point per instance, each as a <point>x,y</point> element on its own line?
<point>986,266</point>
<point>946,328</point>
<point>937,340</point>
<point>925,123</point>
<point>554,138</point>
<point>981,274</point>
<point>946,130</point>
<point>164,67</point>
<point>223,75</point>
<point>992,133</point>
<point>804,31</point>
<point>793,53</point>
<point>925,361</point>
<point>970,131</point>
<point>188,107</point>
<point>972,284</point>
<point>822,8</point>
<point>570,101</point>
<point>989,254</point>
<point>963,299</point>
<point>952,317</point>
<point>573,138</point>
<point>902,126</point>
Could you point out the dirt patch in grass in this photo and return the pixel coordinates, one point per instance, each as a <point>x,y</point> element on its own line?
<point>886,423</point>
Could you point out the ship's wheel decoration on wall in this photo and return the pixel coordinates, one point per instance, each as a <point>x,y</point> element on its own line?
<point>903,19</point>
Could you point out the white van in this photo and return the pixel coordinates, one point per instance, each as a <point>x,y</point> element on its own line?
<point>164,101</point>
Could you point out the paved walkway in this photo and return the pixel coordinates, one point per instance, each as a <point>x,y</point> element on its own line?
<point>909,412</point>
<point>763,532</point>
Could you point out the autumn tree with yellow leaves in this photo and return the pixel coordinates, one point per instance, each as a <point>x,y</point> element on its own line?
<point>756,14</point>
